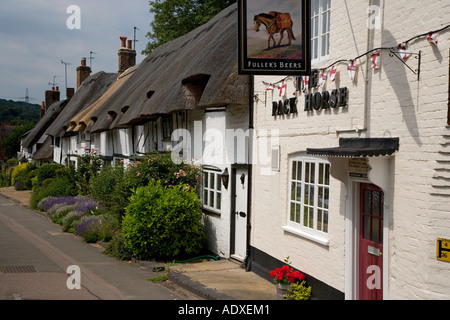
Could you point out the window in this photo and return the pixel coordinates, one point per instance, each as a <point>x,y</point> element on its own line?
<point>309,195</point>
<point>212,189</point>
<point>167,127</point>
<point>320,30</point>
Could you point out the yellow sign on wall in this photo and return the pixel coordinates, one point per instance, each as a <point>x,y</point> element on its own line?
<point>443,249</point>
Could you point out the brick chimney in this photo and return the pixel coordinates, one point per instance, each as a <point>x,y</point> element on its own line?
<point>69,93</point>
<point>127,56</point>
<point>42,109</point>
<point>51,96</point>
<point>82,72</point>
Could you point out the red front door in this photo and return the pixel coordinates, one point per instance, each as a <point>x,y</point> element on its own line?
<point>371,243</point>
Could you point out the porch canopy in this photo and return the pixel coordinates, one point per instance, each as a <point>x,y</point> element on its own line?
<point>359,148</point>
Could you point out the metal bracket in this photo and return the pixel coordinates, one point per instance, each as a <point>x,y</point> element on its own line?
<point>418,56</point>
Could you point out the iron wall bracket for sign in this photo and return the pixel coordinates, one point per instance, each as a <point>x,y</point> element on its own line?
<point>418,56</point>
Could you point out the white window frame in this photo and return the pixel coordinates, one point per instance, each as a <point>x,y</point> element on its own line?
<point>320,29</point>
<point>298,226</point>
<point>214,189</point>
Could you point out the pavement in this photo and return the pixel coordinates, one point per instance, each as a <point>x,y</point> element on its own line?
<point>210,279</point>
<point>222,279</point>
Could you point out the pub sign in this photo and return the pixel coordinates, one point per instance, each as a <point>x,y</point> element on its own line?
<point>274,37</point>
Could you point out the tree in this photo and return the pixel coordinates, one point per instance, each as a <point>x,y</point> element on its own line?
<point>174,18</point>
<point>11,144</point>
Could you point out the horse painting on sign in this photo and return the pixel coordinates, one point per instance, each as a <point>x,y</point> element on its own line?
<point>275,22</point>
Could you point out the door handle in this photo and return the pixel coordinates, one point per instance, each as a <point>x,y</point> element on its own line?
<point>242,214</point>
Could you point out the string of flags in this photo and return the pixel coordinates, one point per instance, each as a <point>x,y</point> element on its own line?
<point>402,49</point>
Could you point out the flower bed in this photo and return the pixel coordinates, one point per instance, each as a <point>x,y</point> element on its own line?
<point>81,216</point>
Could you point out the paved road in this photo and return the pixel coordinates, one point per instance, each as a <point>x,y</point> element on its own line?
<point>35,255</point>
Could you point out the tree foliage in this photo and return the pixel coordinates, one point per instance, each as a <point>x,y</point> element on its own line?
<point>174,18</point>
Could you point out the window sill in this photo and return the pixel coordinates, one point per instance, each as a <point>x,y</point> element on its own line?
<point>306,235</point>
<point>211,212</point>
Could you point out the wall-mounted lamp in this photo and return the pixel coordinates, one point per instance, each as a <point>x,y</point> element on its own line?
<point>225,178</point>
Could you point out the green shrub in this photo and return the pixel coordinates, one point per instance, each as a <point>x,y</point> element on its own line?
<point>5,177</point>
<point>48,171</point>
<point>162,222</point>
<point>116,248</point>
<point>106,188</point>
<point>24,179</point>
<point>58,187</point>
<point>17,171</point>
<point>299,291</point>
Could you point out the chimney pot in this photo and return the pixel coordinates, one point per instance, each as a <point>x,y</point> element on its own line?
<point>129,44</point>
<point>83,62</point>
<point>57,88</point>
<point>124,40</point>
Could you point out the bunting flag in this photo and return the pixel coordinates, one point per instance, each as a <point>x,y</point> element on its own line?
<point>322,78</point>
<point>351,68</point>
<point>282,87</point>
<point>403,50</point>
<point>375,58</point>
<point>333,73</point>
<point>269,86</point>
<point>433,38</point>
<point>305,83</point>
<point>296,84</point>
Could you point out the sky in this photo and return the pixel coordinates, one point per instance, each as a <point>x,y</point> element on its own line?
<point>36,35</point>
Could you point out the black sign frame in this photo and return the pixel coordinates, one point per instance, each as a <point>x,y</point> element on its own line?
<point>300,65</point>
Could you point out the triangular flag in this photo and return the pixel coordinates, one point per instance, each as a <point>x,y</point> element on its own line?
<point>333,74</point>
<point>433,38</point>
<point>282,89</point>
<point>269,86</point>
<point>375,58</point>
<point>351,68</point>
<point>322,78</point>
<point>296,84</point>
<point>403,50</point>
<point>305,83</point>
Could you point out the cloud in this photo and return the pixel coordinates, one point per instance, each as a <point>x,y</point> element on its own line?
<point>35,38</point>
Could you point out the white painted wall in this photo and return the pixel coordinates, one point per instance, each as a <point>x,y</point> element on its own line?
<point>396,105</point>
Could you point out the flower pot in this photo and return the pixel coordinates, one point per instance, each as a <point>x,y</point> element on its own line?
<point>282,290</point>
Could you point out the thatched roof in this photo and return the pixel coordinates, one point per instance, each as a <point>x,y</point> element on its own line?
<point>82,120</point>
<point>91,89</point>
<point>197,70</point>
<point>45,153</point>
<point>49,117</point>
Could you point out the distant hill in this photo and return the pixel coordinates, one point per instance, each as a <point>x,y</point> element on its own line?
<point>11,111</point>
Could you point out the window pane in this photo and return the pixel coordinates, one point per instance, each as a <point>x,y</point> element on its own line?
<point>205,179</point>
<point>325,221</point>
<point>219,182</point>
<point>321,173</point>
<point>292,217</point>
<point>211,182</point>
<point>375,230</point>
<point>211,199</point>
<point>219,201</point>
<point>319,219</point>
<point>327,174</point>
<point>299,192</point>
<point>293,190</point>
<point>294,170</point>
<point>205,197</point>
<point>297,212</point>
<point>299,171</point>
<point>313,173</point>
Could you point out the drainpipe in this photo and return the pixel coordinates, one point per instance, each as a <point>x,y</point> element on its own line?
<point>247,261</point>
